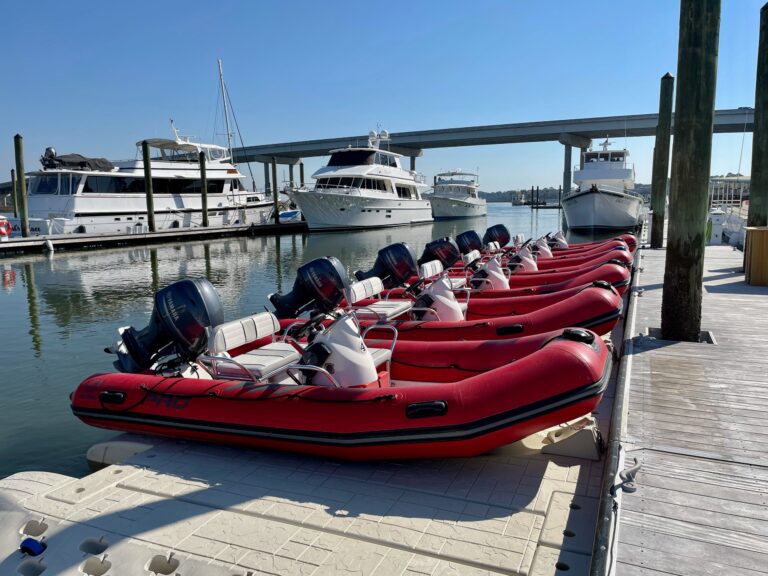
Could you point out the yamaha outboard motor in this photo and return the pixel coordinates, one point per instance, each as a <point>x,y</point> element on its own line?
<point>497,233</point>
<point>468,241</point>
<point>395,264</point>
<point>320,285</point>
<point>179,320</point>
<point>442,249</point>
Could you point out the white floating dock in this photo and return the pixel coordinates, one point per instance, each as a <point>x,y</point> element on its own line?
<point>195,509</point>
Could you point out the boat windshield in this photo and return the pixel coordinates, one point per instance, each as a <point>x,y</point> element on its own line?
<point>60,184</point>
<point>352,158</point>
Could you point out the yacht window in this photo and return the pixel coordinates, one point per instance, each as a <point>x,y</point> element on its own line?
<point>345,182</point>
<point>402,192</point>
<point>351,158</point>
<point>235,184</point>
<point>357,182</point>
<point>44,184</point>
<point>590,157</point>
<point>381,185</point>
<point>123,185</point>
<point>320,184</point>
<point>603,157</point>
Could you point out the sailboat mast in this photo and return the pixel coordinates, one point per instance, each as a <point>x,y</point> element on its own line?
<point>226,111</point>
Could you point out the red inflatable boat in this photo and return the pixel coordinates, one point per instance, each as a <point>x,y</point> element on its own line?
<point>435,400</point>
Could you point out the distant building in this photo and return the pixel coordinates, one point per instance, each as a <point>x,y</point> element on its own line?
<point>728,190</point>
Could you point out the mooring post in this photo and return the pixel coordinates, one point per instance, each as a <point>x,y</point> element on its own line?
<point>566,171</point>
<point>532,192</point>
<point>276,204</point>
<point>204,189</point>
<point>538,197</point>
<point>661,160</point>
<point>301,173</point>
<point>758,200</point>
<point>267,185</point>
<point>290,176</point>
<point>21,184</point>
<point>691,155</point>
<point>148,185</point>
<point>559,196</point>
<point>14,196</point>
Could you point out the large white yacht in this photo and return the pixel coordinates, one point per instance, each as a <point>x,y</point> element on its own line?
<point>364,188</point>
<point>605,198</point>
<point>455,196</point>
<point>75,194</point>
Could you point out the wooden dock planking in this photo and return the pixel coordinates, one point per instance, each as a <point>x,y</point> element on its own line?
<point>698,423</point>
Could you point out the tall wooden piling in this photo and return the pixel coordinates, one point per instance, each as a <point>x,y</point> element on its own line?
<point>568,158</point>
<point>14,195</point>
<point>148,185</point>
<point>290,175</point>
<point>21,184</point>
<point>301,174</point>
<point>267,185</point>
<point>661,160</point>
<point>204,189</point>
<point>694,116</point>
<point>758,200</point>
<point>275,203</point>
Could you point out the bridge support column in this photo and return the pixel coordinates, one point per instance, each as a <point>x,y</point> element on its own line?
<point>567,170</point>
<point>267,186</point>
<point>413,162</point>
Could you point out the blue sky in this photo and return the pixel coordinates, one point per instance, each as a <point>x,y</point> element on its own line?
<point>94,77</point>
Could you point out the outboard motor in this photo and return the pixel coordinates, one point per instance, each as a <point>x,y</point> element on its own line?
<point>442,249</point>
<point>497,233</point>
<point>177,326</point>
<point>468,241</point>
<point>395,264</point>
<point>320,285</point>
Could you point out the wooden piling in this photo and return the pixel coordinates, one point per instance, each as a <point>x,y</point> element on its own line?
<point>204,189</point>
<point>148,185</point>
<point>758,200</point>
<point>21,184</point>
<point>568,158</point>
<point>267,185</point>
<point>290,175</point>
<point>14,195</point>
<point>691,155</point>
<point>275,203</point>
<point>661,160</point>
<point>301,173</point>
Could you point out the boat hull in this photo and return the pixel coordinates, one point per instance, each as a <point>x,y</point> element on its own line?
<point>445,208</point>
<point>602,210</point>
<point>328,211</point>
<point>452,415</point>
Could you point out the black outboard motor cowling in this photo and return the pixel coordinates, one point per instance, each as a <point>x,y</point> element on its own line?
<point>320,285</point>
<point>443,249</point>
<point>468,241</point>
<point>180,317</point>
<point>395,264</point>
<point>497,233</point>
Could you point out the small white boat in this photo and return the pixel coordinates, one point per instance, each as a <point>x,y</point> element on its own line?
<point>364,188</point>
<point>455,196</point>
<point>605,198</point>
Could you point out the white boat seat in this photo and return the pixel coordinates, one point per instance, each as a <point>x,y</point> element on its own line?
<point>268,359</point>
<point>384,310</point>
<point>470,257</point>
<point>430,269</point>
<point>458,282</point>
<point>367,288</point>
<point>238,333</point>
<point>380,355</point>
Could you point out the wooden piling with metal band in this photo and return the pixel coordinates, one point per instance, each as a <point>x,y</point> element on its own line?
<point>661,160</point>
<point>275,203</point>
<point>691,155</point>
<point>758,201</point>
<point>301,173</point>
<point>148,185</point>
<point>204,188</point>
<point>21,184</point>
<point>14,195</point>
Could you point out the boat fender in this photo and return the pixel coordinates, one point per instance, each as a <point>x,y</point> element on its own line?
<point>32,547</point>
<point>426,409</point>
<point>315,355</point>
<point>579,335</point>
<point>510,329</point>
<point>111,397</point>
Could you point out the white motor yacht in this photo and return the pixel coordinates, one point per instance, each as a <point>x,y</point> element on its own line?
<point>605,198</point>
<point>75,194</point>
<point>364,187</point>
<point>455,196</point>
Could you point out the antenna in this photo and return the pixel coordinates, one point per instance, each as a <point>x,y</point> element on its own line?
<point>605,144</point>
<point>174,130</point>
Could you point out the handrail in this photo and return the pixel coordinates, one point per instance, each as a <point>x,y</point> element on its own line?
<point>322,371</point>
<point>390,327</point>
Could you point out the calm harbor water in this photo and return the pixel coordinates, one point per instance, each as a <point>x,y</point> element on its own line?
<point>59,312</point>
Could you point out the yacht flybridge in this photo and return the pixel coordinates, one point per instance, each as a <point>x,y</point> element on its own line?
<point>605,198</point>
<point>455,196</point>
<point>364,187</point>
<point>75,194</point>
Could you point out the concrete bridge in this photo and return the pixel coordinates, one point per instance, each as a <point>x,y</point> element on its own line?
<point>571,133</point>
